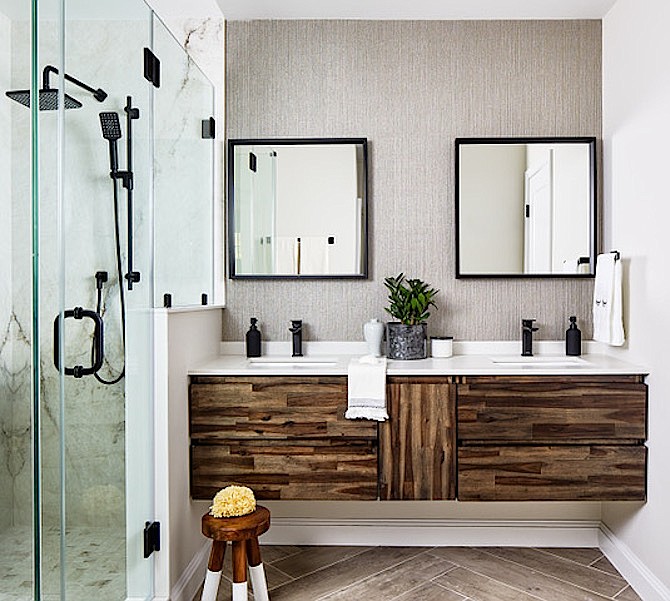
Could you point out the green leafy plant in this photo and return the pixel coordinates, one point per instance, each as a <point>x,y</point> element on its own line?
<point>409,299</point>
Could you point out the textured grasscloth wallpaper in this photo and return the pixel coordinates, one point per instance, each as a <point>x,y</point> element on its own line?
<point>411,87</point>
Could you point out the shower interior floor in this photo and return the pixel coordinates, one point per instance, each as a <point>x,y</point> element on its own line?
<point>95,564</point>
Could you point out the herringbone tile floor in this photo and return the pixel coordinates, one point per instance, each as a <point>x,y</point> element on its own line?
<point>437,574</point>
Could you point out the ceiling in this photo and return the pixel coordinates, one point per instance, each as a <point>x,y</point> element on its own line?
<point>414,9</point>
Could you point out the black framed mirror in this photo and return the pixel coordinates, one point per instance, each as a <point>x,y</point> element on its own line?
<point>297,208</point>
<point>526,207</point>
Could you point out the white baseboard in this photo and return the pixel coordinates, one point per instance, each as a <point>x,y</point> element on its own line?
<point>631,567</point>
<point>427,532</point>
<point>192,577</point>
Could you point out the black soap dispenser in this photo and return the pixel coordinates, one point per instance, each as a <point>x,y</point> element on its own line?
<point>573,339</point>
<point>253,340</point>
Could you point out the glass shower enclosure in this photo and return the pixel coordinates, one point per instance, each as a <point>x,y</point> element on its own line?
<point>81,270</point>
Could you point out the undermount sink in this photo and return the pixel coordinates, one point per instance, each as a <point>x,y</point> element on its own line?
<point>539,362</point>
<point>271,362</point>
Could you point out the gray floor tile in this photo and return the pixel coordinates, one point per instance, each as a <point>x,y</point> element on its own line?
<point>586,556</point>
<point>310,559</point>
<point>430,592</point>
<point>604,564</point>
<point>516,576</point>
<point>628,594</point>
<point>568,571</point>
<point>343,573</point>
<point>397,580</point>
<point>479,587</point>
<point>272,553</point>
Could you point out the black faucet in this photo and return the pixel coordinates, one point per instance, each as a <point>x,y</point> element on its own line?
<point>527,330</point>
<point>296,330</point>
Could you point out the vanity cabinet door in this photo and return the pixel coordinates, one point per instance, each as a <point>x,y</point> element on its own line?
<point>417,443</point>
<point>552,409</point>
<point>552,473</point>
<point>549,438</point>
<point>284,437</point>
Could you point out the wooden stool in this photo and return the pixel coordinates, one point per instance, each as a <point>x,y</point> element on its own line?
<point>243,532</point>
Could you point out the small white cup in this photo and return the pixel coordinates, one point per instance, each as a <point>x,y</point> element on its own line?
<point>441,346</point>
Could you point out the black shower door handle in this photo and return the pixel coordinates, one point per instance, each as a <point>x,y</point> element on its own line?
<point>79,371</point>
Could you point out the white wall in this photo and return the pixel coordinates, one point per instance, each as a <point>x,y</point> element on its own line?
<point>636,101</point>
<point>190,337</point>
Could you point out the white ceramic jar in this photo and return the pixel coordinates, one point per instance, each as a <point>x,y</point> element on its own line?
<point>373,332</point>
<point>441,346</point>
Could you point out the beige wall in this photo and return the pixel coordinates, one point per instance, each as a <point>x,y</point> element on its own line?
<point>492,218</point>
<point>411,88</point>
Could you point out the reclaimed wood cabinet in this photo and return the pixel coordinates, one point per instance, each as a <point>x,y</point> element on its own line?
<point>479,438</point>
<point>418,442</point>
<point>284,437</point>
<point>552,438</point>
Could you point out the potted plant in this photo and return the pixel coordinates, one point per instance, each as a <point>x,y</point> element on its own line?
<point>409,303</point>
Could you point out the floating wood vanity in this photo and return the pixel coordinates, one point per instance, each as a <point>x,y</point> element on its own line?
<point>471,438</point>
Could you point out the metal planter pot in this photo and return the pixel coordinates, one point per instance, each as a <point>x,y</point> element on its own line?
<point>406,342</point>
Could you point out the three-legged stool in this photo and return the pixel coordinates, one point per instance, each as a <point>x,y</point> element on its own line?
<point>243,532</point>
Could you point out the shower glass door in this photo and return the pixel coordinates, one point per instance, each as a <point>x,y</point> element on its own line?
<point>18,559</point>
<point>95,359</point>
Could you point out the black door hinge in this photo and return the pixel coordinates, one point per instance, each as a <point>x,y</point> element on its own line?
<point>209,128</point>
<point>152,68</point>
<point>152,538</point>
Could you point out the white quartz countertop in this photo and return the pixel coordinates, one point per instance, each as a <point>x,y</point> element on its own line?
<point>488,359</point>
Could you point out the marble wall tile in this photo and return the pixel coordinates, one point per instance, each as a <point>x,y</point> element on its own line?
<point>183,175</point>
<point>5,270</point>
<point>186,166</point>
<point>411,87</point>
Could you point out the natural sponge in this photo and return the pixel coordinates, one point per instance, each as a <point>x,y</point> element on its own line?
<point>233,501</point>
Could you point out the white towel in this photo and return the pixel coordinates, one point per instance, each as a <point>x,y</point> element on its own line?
<point>286,257</point>
<point>314,255</point>
<point>607,301</point>
<point>367,389</point>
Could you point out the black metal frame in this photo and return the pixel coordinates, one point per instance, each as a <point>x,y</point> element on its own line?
<point>230,205</point>
<point>593,191</point>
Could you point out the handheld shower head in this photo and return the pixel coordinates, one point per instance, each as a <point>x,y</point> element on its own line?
<point>111,128</point>
<point>111,131</point>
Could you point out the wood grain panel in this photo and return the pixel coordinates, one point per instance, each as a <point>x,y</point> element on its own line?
<point>305,469</point>
<point>552,409</point>
<point>552,473</point>
<point>224,408</point>
<point>417,443</point>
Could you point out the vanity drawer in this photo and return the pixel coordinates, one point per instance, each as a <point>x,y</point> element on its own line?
<point>305,469</point>
<point>283,408</point>
<point>552,473</point>
<point>556,410</point>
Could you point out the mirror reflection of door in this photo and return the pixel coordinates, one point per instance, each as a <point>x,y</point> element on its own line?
<point>538,192</point>
<point>525,206</point>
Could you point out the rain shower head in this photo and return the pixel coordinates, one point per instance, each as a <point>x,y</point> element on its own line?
<point>49,96</point>
<point>48,99</point>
